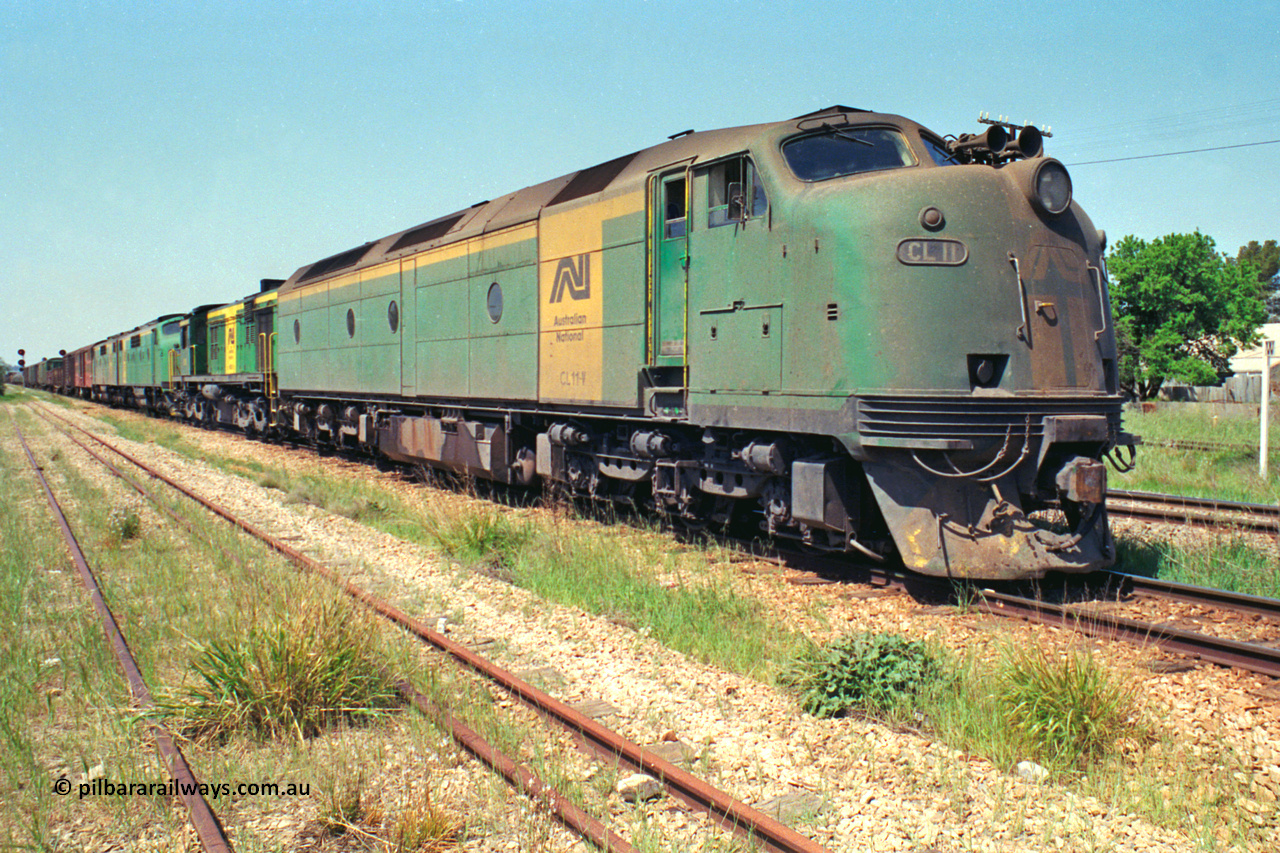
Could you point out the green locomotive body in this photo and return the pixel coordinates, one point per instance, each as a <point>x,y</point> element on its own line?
<point>223,362</point>
<point>842,328</point>
<point>864,335</point>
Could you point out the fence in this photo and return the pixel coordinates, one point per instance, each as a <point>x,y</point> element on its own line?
<point>1241,388</point>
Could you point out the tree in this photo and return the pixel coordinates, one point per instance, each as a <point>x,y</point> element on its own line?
<point>1267,259</point>
<point>1182,310</point>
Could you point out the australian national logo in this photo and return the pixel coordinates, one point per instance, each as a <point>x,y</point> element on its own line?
<point>573,275</point>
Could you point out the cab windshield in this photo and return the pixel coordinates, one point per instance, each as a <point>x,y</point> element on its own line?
<point>838,151</point>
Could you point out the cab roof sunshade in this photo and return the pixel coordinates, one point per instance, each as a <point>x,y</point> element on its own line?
<point>349,258</point>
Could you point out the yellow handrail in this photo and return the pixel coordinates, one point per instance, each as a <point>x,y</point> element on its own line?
<point>271,366</point>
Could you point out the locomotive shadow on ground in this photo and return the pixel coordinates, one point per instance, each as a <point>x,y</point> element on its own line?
<point>823,567</point>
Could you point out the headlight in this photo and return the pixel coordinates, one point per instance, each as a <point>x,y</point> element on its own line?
<point>1052,186</point>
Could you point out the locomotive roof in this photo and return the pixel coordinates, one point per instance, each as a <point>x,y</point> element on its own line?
<point>612,177</point>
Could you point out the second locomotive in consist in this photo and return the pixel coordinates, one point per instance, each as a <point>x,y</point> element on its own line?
<point>869,336</point>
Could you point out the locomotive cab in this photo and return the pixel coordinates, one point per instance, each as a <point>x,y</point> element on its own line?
<point>953,297</point>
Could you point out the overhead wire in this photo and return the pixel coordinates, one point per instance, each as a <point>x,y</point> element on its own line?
<point>1175,153</point>
<point>1156,126</point>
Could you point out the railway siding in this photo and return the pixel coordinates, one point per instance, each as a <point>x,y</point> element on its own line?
<point>876,783</point>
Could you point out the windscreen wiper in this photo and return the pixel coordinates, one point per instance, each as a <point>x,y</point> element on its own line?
<point>843,135</point>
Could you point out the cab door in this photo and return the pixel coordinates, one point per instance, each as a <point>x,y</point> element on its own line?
<point>736,305</point>
<point>669,242</point>
<point>264,324</point>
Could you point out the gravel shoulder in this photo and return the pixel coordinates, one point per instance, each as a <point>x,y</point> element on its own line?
<point>866,786</point>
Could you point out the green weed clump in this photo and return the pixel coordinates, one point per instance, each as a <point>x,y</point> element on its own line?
<point>1066,711</point>
<point>874,674</point>
<point>124,524</point>
<point>486,536</point>
<point>294,672</point>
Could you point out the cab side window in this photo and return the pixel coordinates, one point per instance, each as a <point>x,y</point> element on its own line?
<point>734,192</point>
<point>674,218</point>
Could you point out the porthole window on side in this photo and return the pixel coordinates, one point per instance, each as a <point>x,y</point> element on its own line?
<point>494,302</point>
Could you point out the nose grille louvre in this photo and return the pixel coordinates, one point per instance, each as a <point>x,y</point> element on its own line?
<point>974,418</point>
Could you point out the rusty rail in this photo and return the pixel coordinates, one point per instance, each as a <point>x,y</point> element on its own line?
<point>1181,509</point>
<point>1256,658</point>
<point>213,837</point>
<point>1238,602</point>
<point>724,809</point>
<point>518,775</point>
<point>1231,653</point>
<point>185,523</point>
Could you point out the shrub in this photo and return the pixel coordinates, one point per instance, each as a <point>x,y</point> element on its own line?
<point>483,535</point>
<point>876,674</point>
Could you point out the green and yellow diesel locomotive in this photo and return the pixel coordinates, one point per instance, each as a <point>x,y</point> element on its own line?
<point>843,327</point>
<point>867,335</point>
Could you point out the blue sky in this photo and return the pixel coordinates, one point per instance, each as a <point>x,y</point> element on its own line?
<point>157,156</point>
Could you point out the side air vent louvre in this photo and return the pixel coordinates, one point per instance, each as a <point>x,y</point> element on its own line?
<point>593,180</point>
<point>989,418</point>
<point>349,258</point>
<point>426,233</point>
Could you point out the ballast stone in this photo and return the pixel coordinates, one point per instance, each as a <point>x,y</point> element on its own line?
<point>639,787</point>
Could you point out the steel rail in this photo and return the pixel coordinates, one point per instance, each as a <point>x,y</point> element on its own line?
<point>1210,504</point>
<point>520,776</point>
<point>1204,446</point>
<point>724,809</point>
<point>1231,653</point>
<point>1200,511</point>
<point>139,488</point>
<point>1256,658</point>
<point>1188,593</point>
<point>209,830</point>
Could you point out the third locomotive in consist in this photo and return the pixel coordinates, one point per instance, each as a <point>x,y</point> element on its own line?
<point>865,336</point>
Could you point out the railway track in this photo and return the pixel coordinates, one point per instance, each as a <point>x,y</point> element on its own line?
<point>1249,656</point>
<point>1036,608</point>
<point>1206,446</point>
<point>595,738</point>
<point>1207,512</point>
<point>208,828</point>
<point>1114,586</point>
